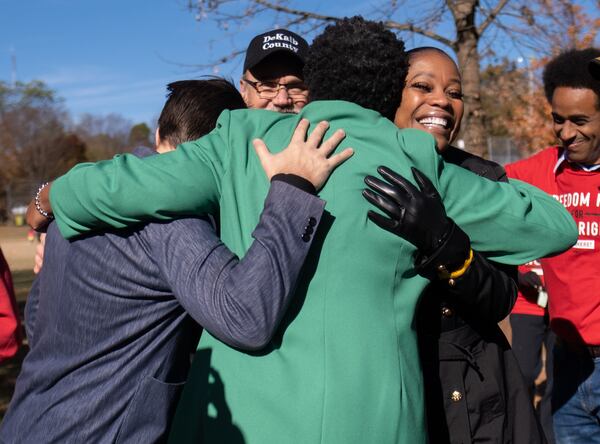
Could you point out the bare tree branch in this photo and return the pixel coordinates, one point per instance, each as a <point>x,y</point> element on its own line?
<point>491,16</point>
<point>424,32</point>
<point>304,14</point>
<point>390,24</point>
<point>473,29</point>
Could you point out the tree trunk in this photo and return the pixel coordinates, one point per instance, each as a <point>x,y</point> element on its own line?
<point>467,39</point>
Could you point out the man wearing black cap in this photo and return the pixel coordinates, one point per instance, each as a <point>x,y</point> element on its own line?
<point>272,76</point>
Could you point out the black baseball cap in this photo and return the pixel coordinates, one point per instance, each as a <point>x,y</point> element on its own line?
<point>278,40</point>
<point>594,67</point>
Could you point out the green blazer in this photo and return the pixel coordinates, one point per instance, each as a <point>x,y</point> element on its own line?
<point>344,366</point>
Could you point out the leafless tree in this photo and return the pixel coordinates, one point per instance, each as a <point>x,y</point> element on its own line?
<point>472,29</point>
<point>35,146</point>
<point>104,136</point>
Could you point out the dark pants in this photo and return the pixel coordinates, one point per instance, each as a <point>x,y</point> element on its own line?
<point>529,332</point>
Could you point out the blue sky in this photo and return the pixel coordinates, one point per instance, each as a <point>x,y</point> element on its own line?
<point>113,55</point>
<point>116,56</point>
<point>104,56</point>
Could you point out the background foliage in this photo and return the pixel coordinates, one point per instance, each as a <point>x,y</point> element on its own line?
<point>39,141</point>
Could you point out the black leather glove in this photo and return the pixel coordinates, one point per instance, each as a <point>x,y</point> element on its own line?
<point>530,280</point>
<point>417,215</point>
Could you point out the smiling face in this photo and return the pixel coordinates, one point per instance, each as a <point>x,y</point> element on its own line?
<point>432,97</point>
<point>278,68</point>
<point>576,123</point>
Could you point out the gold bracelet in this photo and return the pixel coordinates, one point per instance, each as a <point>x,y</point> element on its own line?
<point>444,274</point>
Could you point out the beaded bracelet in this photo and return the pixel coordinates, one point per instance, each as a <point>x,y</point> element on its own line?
<point>38,206</point>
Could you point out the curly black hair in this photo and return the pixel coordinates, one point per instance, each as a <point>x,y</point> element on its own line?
<point>358,61</point>
<point>570,69</point>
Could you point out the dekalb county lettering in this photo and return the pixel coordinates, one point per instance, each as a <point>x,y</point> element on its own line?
<point>279,45</point>
<point>280,36</point>
<point>280,40</point>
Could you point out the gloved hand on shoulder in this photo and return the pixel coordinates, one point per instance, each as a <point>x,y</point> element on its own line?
<point>418,215</point>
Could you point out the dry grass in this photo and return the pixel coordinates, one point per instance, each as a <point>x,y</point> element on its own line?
<point>18,250</point>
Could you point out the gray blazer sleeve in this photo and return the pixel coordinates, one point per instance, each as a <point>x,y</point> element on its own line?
<point>241,302</point>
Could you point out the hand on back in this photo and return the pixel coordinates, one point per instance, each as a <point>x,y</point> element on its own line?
<point>308,157</point>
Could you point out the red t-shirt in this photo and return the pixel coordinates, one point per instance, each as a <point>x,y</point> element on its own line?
<point>527,298</point>
<point>572,278</point>
<point>10,328</point>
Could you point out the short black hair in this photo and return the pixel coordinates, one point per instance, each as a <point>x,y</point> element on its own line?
<point>358,61</point>
<point>193,106</point>
<point>570,69</point>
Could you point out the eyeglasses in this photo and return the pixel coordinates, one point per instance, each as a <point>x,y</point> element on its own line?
<point>269,90</point>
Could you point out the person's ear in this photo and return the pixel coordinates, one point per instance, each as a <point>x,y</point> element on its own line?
<point>162,146</point>
<point>157,138</point>
<point>244,91</point>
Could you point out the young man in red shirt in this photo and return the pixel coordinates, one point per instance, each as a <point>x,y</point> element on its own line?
<point>571,173</point>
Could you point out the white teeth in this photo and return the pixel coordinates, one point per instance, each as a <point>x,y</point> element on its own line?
<point>434,121</point>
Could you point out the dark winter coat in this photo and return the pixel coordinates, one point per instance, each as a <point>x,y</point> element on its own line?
<point>474,389</point>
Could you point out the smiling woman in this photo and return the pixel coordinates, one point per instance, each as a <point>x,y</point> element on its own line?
<point>432,98</point>
<point>474,390</point>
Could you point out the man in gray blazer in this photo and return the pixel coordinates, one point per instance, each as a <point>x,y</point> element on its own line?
<point>106,318</point>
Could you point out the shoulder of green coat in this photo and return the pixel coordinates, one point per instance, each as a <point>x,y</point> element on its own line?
<point>421,150</point>
<point>339,109</point>
<point>416,138</point>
